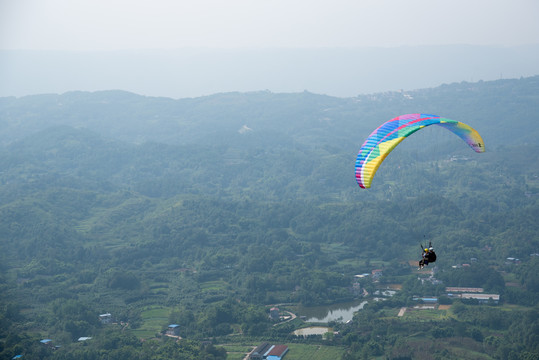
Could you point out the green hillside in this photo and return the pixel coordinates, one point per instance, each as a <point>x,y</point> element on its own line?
<point>207,212</point>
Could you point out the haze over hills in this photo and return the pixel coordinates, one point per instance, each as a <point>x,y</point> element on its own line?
<point>177,180</point>
<point>207,211</point>
<point>193,72</point>
<point>491,107</point>
<point>242,131</point>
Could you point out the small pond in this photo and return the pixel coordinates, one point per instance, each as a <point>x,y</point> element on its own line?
<point>342,312</point>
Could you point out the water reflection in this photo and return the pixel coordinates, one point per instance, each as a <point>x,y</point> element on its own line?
<point>338,312</point>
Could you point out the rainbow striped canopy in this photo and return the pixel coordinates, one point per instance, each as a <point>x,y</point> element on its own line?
<point>384,139</point>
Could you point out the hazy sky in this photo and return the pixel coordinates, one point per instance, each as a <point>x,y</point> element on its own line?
<point>167,24</point>
<point>189,48</point>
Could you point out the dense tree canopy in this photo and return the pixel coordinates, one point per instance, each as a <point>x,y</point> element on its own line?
<point>215,208</point>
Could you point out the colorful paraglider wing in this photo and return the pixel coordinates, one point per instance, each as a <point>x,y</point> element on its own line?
<point>386,137</point>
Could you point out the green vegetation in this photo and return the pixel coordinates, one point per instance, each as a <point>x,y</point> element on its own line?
<point>161,212</point>
<point>315,352</point>
<point>152,319</point>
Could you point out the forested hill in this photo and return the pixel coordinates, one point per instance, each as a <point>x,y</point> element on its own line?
<point>209,209</point>
<point>260,144</point>
<point>498,109</point>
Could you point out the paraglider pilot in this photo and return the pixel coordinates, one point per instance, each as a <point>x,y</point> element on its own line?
<point>428,255</point>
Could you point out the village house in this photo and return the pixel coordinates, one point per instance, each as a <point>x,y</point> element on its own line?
<point>376,274</point>
<point>512,260</point>
<point>463,290</point>
<point>266,351</point>
<point>173,330</point>
<point>277,352</point>
<point>362,276</point>
<point>472,294</point>
<point>259,351</point>
<point>481,298</point>
<point>46,342</point>
<point>426,300</point>
<point>105,318</point>
<point>274,314</point>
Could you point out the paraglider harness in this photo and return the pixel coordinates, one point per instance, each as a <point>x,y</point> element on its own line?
<point>428,256</point>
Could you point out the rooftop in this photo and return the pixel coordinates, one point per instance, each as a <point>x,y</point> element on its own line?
<point>464,289</point>
<point>278,350</point>
<point>494,297</point>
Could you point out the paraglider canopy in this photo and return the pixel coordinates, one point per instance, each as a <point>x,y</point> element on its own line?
<point>391,133</point>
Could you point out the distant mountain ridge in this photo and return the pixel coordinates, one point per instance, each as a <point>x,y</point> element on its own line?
<point>503,111</point>
<point>193,72</point>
